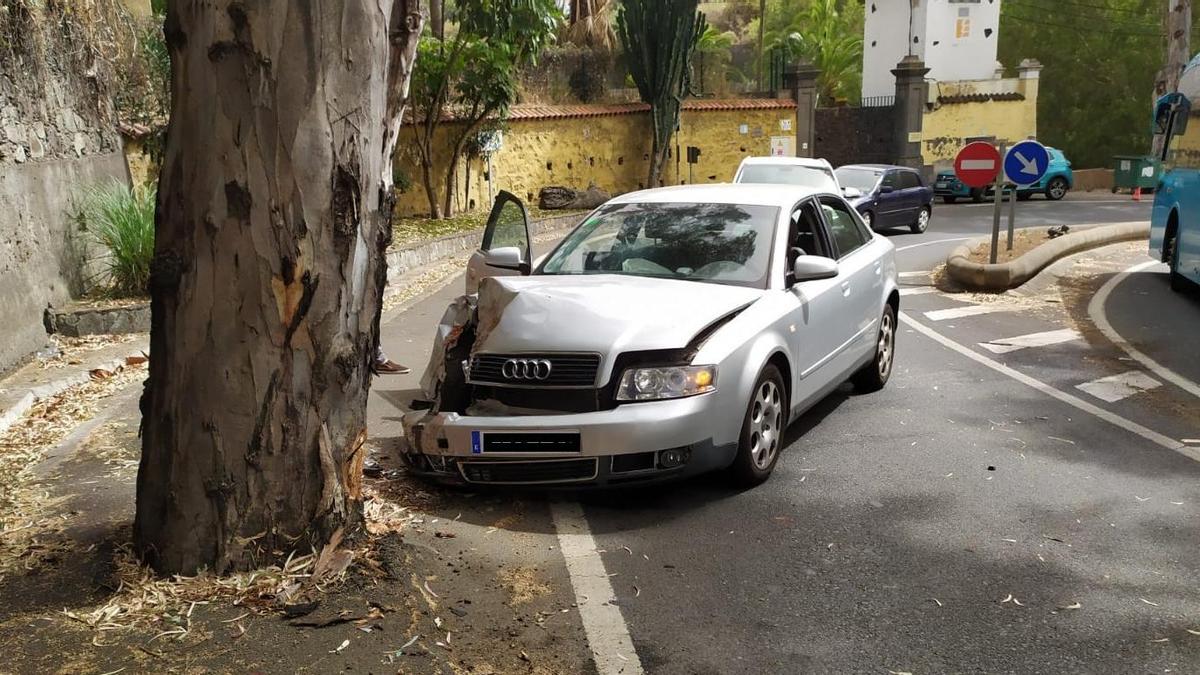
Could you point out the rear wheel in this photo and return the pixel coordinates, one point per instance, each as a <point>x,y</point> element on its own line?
<point>874,376</point>
<point>1056,189</point>
<point>977,195</point>
<point>949,200</point>
<point>922,223</point>
<point>762,430</point>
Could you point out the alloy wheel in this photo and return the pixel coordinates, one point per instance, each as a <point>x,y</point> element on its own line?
<point>887,345</point>
<point>765,421</point>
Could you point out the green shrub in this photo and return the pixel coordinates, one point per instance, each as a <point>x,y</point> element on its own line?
<point>122,221</point>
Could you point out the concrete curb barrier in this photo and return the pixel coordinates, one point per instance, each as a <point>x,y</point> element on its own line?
<point>1003,276</point>
<point>13,413</point>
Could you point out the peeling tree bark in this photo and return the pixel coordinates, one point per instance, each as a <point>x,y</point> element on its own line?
<point>274,213</point>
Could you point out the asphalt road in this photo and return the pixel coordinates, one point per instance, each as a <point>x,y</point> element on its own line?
<point>992,510</point>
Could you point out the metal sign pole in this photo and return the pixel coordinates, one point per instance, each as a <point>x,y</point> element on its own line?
<point>996,212</point>
<point>1012,214</point>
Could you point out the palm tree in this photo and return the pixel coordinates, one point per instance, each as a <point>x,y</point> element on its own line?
<point>831,39</point>
<point>591,24</point>
<point>712,45</point>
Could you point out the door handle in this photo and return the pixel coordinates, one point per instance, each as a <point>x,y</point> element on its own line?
<point>846,288</point>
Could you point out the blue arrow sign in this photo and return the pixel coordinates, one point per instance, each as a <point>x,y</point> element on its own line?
<point>1026,162</point>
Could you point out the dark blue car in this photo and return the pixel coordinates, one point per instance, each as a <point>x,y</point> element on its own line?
<point>888,196</point>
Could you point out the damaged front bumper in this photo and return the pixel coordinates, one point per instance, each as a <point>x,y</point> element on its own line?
<point>633,443</point>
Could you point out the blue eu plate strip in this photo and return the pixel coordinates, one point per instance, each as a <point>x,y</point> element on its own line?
<point>476,442</point>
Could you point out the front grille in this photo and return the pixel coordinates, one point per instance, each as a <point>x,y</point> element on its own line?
<point>550,400</point>
<point>516,472</point>
<point>566,370</point>
<point>530,442</point>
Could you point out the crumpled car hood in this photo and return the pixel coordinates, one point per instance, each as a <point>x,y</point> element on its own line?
<point>600,313</point>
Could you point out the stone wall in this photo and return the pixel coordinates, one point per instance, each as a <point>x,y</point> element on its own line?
<point>848,135</point>
<point>57,137</point>
<point>608,145</point>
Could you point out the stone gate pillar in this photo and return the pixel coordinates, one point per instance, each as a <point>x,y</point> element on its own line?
<point>911,95</point>
<point>801,79</point>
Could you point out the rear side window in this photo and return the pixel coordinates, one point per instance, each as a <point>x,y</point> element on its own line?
<point>843,227</point>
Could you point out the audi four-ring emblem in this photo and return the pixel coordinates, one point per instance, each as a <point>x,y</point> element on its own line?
<point>526,369</point>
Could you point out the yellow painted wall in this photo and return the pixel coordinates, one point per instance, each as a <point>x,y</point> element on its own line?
<point>611,151</point>
<point>945,129</point>
<point>143,170</point>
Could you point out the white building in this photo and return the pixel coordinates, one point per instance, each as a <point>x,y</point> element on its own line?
<point>955,38</point>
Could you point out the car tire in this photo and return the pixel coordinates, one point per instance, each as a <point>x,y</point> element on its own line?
<point>1178,283</point>
<point>875,375</point>
<point>1024,196</point>
<point>761,440</point>
<point>922,223</point>
<point>949,200</point>
<point>977,195</point>
<point>868,220</point>
<point>1057,188</point>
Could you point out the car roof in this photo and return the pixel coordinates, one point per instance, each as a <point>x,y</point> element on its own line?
<point>876,167</point>
<point>815,163</point>
<point>784,196</point>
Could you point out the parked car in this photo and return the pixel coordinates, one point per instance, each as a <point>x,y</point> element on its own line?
<point>674,331</point>
<point>1055,184</point>
<point>891,196</point>
<point>803,171</point>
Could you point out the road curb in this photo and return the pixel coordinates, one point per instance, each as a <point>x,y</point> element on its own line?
<point>13,413</point>
<point>1003,276</point>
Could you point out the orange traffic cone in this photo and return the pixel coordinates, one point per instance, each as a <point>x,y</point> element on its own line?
<point>1137,194</point>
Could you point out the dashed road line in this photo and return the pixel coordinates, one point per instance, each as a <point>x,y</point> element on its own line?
<point>967,310</point>
<point>1116,387</point>
<point>932,243</point>
<point>607,634</point>
<point>1046,339</point>
<point>917,290</point>
<point>1071,400</point>
<point>1100,319</point>
<point>912,275</point>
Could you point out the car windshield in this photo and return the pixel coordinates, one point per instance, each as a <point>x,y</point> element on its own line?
<point>717,243</point>
<point>787,174</point>
<point>863,179</point>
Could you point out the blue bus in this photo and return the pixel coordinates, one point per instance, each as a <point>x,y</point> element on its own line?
<point>1175,221</point>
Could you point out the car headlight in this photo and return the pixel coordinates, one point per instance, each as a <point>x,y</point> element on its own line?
<point>651,384</point>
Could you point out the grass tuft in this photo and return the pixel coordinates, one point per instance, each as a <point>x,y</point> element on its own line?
<point>122,221</point>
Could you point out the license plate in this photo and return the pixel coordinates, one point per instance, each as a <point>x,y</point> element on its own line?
<point>503,442</point>
<point>941,185</point>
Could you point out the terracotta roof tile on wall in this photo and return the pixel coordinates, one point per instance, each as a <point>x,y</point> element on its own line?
<point>981,98</point>
<point>537,111</point>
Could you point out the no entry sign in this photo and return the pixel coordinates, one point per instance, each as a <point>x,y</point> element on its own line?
<point>977,164</point>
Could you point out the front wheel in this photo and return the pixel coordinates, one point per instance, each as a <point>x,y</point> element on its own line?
<point>1177,281</point>
<point>977,195</point>
<point>1024,196</point>
<point>874,376</point>
<point>922,223</point>
<point>949,200</point>
<point>869,219</point>
<point>1056,189</point>
<point>762,430</point>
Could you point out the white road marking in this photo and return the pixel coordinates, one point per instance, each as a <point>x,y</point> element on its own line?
<point>931,243</point>
<point>910,275</point>
<point>967,310</point>
<point>1071,400</point>
<point>1046,339</point>
<point>607,634</point>
<point>1100,319</point>
<point>1116,387</point>
<point>917,290</point>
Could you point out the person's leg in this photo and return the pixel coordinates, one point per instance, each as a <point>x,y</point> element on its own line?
<point>386,366</point>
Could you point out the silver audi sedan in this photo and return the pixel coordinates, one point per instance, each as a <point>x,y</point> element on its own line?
<point>674,331</point>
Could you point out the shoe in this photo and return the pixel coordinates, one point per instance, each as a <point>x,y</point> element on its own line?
<point>390,367</point>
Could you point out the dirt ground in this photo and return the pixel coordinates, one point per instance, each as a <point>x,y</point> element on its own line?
<point>417,598</point>
<point>1024,241</point>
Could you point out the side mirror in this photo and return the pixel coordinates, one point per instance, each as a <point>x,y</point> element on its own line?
<point>1169,104</point>
<point>813,267</point>
<point>506,258</point>
<point>885,189</point>
<point>851,192</point>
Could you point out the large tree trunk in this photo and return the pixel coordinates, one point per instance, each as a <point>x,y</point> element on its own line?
<point>437,18</point>
<point>273,215</point>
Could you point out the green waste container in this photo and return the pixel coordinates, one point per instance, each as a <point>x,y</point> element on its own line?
<point>1136,171</point>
